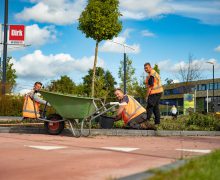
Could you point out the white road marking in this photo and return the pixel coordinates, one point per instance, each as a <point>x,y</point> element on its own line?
<point>195,150</point>
<point>47,147</point>
<point>124,149</point>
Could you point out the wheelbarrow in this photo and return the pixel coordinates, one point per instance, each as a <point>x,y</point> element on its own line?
<point>78,112</point>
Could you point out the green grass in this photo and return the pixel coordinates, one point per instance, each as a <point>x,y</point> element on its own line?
<point>200,168</point>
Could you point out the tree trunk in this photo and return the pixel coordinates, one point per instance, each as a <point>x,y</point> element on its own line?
<point>94,68</point>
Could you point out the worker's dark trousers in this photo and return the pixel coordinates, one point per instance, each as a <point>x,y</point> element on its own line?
<point>135,122</point>
<point>153,107</point>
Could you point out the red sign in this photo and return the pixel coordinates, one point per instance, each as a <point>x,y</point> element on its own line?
<point>16,34</point>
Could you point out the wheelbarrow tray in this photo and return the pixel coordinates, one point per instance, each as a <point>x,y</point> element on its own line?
<point>69,106</point>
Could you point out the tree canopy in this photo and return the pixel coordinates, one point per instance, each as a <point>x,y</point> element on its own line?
<point>100,19</point>
<point>62,85</point>
<point>10,75</point>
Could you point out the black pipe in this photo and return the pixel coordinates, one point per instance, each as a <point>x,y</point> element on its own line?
<point>125,73</point>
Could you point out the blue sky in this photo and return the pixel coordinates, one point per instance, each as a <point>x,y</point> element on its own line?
<point>162,32</point>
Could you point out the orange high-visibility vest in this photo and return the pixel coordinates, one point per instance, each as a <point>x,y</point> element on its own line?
<point>30,108</point>
<point>157,87</point>
<point>132,110</point>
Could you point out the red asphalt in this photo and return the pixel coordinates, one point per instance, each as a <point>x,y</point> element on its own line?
<point>87,158</point>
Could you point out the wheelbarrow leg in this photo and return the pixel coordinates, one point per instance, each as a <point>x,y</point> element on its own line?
<point>84,123</point>
<point>76,132</point>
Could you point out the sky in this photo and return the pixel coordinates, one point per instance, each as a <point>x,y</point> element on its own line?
<point>163,32</point>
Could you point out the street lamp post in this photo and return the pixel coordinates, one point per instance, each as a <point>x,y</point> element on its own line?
<point>5,48</point>
<point>213,83</point>
<point>124,46</point>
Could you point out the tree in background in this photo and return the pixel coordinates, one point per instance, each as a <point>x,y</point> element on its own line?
<point>189,72</point>
<point>104,83</point>
<point>100,21</point>
<point>62,85</point>
<point>141,88</point>
<point>156,68</point>
<point>131,81</point>
<point>10,75</point>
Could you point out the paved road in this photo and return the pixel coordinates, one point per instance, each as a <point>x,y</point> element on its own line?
<point>39,156</point>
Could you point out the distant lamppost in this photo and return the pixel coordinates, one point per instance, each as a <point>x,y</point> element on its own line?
<point>124,46</point>
<point>213,82</point>
<point>167,107</point>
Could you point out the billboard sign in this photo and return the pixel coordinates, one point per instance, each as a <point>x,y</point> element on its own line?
<point>188,103</point>
<point>16,34</point>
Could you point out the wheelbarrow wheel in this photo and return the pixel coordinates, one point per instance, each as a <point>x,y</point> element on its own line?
<point>54,128</point>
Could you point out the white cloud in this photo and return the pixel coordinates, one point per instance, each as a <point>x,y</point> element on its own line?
<point>144,8</point>
<point>54,11</point>
<point>40,66</point>
<point>58,12</point>
<point>169,66</point>
<point>119,45</point>
<point>147,33</point>
<point>36,36</point>
<point>217,49</point>
<point>204,11</point>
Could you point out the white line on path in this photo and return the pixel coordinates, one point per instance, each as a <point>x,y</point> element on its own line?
<point>195,150</point>
<point>47,147</point>
<point>124,149</point>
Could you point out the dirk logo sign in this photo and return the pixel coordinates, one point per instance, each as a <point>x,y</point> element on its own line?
<point>16,34</point>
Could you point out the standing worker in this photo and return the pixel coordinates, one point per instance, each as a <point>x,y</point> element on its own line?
<point>133,114</point>
<point>32,102</point>
<point>154,93</point>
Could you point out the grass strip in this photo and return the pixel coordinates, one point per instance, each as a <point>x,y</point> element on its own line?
<point>201,168</point>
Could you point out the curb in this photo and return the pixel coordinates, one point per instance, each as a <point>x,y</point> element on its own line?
<point>111,132</point>
<point>148,174</point>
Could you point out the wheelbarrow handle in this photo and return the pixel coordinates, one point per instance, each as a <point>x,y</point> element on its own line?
<point>114,103</point>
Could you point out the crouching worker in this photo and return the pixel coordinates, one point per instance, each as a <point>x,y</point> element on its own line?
<point>132,113</point>
<point>32,102</point>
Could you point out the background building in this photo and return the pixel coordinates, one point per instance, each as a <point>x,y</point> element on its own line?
<point>202,90</point>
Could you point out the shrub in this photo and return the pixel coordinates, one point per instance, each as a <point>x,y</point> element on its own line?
<point>11,105</point>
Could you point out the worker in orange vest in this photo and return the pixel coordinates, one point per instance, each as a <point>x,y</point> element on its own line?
<point>131,111</point>
<point>154,93</point>
<point>32,102</point>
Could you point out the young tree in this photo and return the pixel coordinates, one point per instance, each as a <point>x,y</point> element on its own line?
<point>10,75</point>
<point>62,85</point>
<point>100,21</point>
<point>131,81</point>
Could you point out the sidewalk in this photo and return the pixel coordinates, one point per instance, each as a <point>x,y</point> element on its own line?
<point>107,132</point>
<point>110,132</point>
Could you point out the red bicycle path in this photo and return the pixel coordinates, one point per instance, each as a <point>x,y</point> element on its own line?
<point>28,156</point>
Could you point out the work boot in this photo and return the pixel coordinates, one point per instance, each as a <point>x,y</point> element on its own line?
<point>146,125</point>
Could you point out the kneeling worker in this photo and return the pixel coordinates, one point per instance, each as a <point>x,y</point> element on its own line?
<point>133,114</point>
<point>32,102</point>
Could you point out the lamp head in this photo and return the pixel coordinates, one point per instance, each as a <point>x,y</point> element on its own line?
<point>210,62</point>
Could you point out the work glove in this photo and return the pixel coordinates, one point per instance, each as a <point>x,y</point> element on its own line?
<point>48,104</point>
